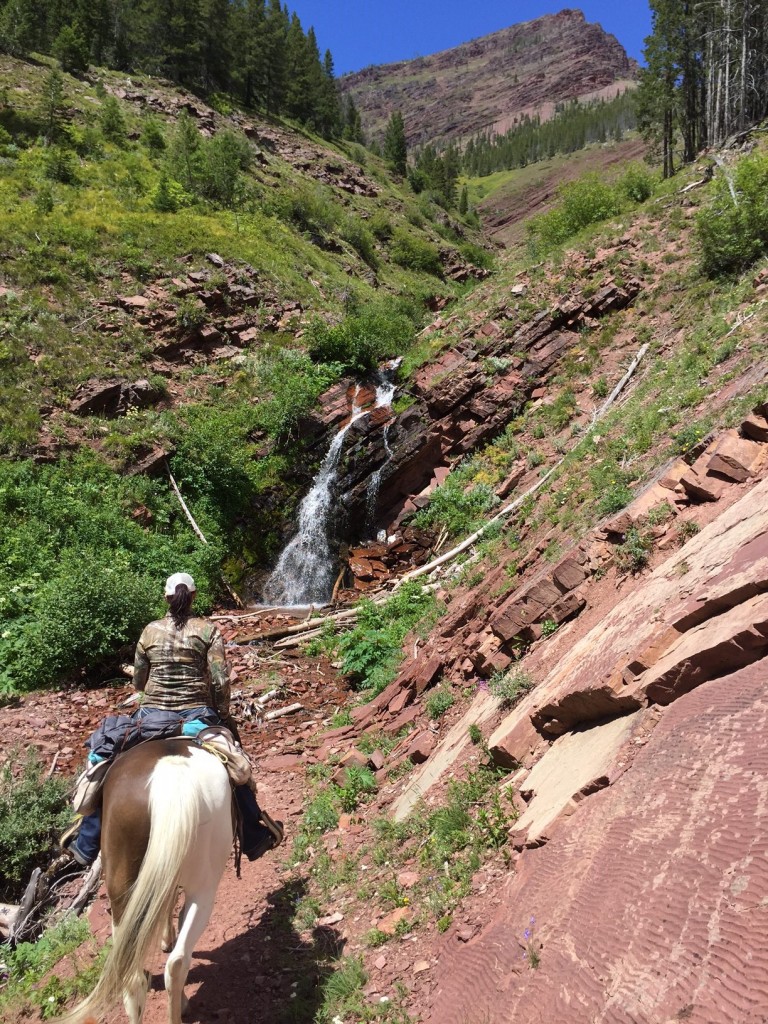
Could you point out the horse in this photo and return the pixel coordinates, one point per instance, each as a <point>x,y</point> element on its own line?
<point>167,825</point>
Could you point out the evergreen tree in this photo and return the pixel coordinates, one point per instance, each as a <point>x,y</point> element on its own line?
<point>71,49</point>
<point>395,146</point>
<point>275,57</point>
<point>51,110</point>
<point>352,128</point>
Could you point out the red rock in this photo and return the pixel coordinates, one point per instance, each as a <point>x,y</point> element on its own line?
<point>403,719</point>
<point>735,457</point>
<point>650,858</point>
<point>280,763</point>
<point>567,607</point>
<point>389,924</point>
<point>755,427</point>
<point>420,747</point>
<point>703,488</point>
<point>569,574</point>
<point>407,879</point>
<point>133,302</point>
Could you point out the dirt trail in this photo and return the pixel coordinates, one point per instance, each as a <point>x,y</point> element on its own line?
<point>250,964</point>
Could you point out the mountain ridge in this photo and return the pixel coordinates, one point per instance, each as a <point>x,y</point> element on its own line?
<point>489,82</point>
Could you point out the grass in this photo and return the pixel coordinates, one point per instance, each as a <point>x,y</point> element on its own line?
<point>32,988</point>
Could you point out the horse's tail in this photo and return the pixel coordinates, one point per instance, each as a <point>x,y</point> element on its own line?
<point>175,802</point>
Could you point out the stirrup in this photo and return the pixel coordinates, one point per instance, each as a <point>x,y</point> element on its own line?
<point>69,833</point>
<point>275,827</point>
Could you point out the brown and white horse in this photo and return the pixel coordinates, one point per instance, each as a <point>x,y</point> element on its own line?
<point>167,824</point>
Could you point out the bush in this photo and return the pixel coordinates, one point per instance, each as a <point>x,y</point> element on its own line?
<point>586,201</point>
<point>291,385</point>
<point>78,576</point>
<point>223,158</point>
<point>33,810</point>
<point>152,135</point>
<point>414,253</point>
<point>361,239</point>
<point>372,651</point>
<point>456,507</point>
<point>438,702</point>
<point>637,183</point>
<point>112,121</point>
<point>510,687</point>
<point>733,234</point>
<point>382,329</point>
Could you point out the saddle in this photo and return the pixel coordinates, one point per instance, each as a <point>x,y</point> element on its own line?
<point>119,733</point>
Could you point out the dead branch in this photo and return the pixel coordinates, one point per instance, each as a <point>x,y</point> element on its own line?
<point>235,597</point>
<point>54,762</point>
<point>183,504</point>
<point>280,712</point>
<point>88,888</point>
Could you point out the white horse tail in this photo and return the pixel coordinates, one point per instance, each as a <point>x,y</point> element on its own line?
<point>176,800</point>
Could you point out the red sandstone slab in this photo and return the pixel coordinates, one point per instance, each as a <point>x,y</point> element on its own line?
<point>649,902</point>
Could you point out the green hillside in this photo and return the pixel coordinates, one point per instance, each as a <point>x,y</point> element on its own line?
<point>113,190</point>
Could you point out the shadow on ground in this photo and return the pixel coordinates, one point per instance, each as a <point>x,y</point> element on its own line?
<point>268,975</point>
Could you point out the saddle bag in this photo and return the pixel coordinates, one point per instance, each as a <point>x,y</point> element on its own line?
<point>229,752</point>
<point>86,796</point>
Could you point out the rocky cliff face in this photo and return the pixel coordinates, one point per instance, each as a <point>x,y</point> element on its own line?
<point>489,83</point>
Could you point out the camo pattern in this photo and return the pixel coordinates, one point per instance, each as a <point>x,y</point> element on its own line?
<point>182,668</point>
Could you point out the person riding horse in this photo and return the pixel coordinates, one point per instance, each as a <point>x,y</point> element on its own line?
<point>180,667</point>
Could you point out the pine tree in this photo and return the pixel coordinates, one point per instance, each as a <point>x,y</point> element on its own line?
<point>275,57</point>
<point>395,146</point>
<point>51,110</point>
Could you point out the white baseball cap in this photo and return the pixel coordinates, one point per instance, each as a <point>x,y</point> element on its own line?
<point>175,580</point>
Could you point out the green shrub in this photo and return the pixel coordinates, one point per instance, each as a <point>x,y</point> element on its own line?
<point>509,687</point>
<point>632,555</point>
<point>30,962</point>
<point>78,576</point>
<point>112,121</point>
<point>637,183</point>
<point>588,200</point>
<point>414,253</point>
<point>438,702</point>
<point>223,158</point>
<point>360,238</point>
<point>152,135</point>
<point>33,811</point>
<point>358,783</point>
<point>457,507</point>
<point>290,384</point>
<point>732,233</point>
<point>372,651</point>
<point>382,329</point>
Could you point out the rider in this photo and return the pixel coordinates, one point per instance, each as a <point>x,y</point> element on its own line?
<point>181,666</point>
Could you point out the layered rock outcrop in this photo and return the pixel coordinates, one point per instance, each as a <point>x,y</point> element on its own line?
<point>460,401</point>
<point>487,84</point>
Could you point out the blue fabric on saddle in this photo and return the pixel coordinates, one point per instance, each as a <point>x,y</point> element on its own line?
<point>121,732</point>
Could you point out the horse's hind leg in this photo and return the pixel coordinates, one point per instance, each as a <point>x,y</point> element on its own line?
<point>192,924</point>
<point>168,940</point>
<point>135,997</point>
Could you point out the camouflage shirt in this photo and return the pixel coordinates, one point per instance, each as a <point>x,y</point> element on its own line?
<point>182,668</point>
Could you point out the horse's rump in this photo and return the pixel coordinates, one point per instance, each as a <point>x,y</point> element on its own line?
<point>166,823</point>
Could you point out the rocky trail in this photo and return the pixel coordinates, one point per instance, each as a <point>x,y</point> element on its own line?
<point>636,764</point>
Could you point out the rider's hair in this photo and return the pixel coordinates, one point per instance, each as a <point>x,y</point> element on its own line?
<point>180,604</point>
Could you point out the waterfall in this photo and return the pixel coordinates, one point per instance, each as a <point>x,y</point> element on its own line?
<point>304,573</point>
<point>372,493</point>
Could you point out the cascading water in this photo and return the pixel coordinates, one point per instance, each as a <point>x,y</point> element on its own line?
<point>304,572</point>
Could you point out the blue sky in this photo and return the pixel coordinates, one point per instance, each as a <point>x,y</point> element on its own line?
<point>362,32</point>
